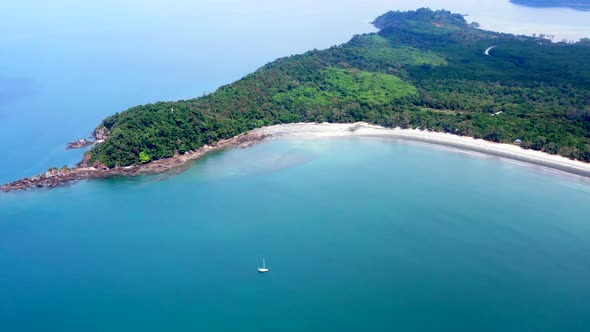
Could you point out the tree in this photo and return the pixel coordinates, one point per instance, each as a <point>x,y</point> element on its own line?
<point>494,135</point>
<point>144,157</point>
<point>420,70</point>
<point>539,142</point>
<point>552,148</point>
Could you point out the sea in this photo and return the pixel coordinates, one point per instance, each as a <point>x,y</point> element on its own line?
<point>358,233</point>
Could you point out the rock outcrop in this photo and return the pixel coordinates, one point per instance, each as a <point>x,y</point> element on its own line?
<point>82,142</point>
<point>55,177</point>
<point>101,133</point>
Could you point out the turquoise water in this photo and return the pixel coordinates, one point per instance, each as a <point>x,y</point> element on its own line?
<point>359,234</point>
<point>65,66</point>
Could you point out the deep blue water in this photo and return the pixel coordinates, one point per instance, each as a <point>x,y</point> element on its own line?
<point>360,234</point>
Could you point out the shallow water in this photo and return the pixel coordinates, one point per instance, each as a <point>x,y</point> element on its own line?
<point>66,66</point>
<point>359,233</point>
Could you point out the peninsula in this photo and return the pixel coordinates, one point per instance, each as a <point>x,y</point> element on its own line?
<point>424,71</point>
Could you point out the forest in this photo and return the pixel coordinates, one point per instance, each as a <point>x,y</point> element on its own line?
<point>423,69</point>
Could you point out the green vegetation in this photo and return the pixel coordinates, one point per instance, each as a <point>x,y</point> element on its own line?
<point>144,157</point>
<point>372,89</point>
<point>423,69</point>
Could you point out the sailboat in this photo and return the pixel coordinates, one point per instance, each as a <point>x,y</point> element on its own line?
<point>263,269</point>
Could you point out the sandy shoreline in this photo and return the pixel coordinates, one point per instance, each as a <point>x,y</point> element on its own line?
<point>54,178</point>
<point>509,151</point>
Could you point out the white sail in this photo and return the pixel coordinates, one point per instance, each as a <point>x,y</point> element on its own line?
<point>263,269</point>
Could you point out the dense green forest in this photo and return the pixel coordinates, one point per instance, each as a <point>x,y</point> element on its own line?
<point>423,69</point>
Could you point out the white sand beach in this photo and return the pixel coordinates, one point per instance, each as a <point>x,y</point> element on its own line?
<point>362,129</point>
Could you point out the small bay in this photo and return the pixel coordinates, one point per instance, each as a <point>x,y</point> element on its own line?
<point>359,233</point>
<point>66,67</point>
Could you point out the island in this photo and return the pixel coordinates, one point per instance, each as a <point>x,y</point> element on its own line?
<point>79,143</point>
<point>573,4</point>
<point>424,71</point>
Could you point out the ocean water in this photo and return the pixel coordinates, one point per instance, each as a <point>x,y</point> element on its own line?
<point>67,65</point>
<point>359,234</point>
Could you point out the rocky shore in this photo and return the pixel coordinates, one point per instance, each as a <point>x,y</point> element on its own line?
<point>55,177</point>
<point>81,143</point>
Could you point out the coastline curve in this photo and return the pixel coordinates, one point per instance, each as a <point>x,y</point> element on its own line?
<point>55,178</point>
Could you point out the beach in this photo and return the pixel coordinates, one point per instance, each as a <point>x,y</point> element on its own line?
<point>362,129</point>
<point>57,177</point>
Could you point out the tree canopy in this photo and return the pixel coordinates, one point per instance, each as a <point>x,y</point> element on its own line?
<point>423,69</point>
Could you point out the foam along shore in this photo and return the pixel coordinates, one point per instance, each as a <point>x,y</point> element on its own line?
<point>361,129</point>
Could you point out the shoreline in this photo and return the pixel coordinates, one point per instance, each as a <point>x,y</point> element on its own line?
<point>56,177</point>
<point>466,143</point>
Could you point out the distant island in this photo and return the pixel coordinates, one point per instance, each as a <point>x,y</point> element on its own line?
<point>424,69</point>
<point>574,4</point>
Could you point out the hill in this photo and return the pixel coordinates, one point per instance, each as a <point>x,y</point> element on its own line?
<point>423,69</point>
